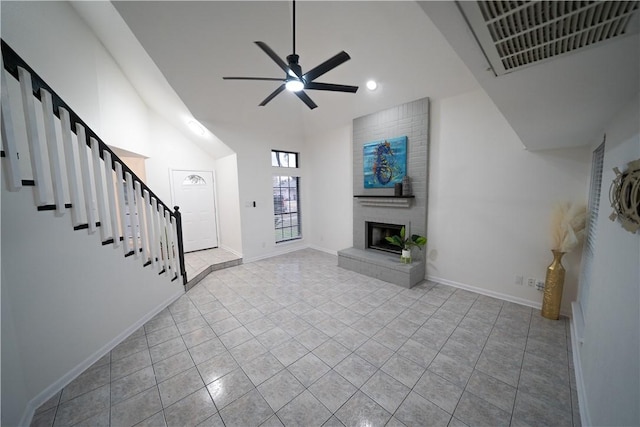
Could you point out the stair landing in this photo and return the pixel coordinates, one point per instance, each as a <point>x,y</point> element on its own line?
<point>199,264</point>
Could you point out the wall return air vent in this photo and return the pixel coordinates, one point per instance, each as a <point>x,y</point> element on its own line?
<point>516,34</point>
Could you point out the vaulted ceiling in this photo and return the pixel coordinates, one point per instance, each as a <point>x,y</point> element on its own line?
<point>413,49</point>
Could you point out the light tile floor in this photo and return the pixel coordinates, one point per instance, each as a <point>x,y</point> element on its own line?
<point>297,341</point>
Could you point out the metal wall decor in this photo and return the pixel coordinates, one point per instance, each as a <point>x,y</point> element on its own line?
<point>624,196</point>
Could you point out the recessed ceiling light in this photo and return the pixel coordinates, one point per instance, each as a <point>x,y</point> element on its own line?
<point>196,127</point>
<point>372,85</point>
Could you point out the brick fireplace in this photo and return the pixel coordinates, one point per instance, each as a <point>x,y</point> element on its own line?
<point>380,206</point>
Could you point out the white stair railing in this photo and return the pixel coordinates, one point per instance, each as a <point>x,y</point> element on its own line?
<point>82,173</point>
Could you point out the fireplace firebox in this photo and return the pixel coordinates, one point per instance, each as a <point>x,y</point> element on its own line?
<point>377,233</point>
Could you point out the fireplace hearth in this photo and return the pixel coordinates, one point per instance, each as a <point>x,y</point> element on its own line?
<point>378,232</point>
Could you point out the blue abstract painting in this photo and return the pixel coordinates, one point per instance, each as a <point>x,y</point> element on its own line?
<point>385,162</point>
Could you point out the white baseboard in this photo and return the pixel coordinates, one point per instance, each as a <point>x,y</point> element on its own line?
<point>296,246</point>
<point>499,295</point>
<point>325,250</point>
<point>576,345</point>
<point>63,381</point>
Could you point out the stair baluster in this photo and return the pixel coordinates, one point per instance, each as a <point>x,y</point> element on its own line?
<point>151,230</point>
<point>87,179</point>
<point>53,148</point>
<point>157,236</point>
<point>111,197</point>
<point>35,151</point>
<point>98,177</point>
<point>142,221</point>
<point>168,249</point>
<point>133,215</point>
<point>9,141</point>
<point>70,161</point>
<point>122,207</point>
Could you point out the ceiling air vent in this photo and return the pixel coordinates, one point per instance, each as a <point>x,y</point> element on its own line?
<point>516,34</point>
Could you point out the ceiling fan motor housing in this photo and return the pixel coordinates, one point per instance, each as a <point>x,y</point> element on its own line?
<point>293,64</point>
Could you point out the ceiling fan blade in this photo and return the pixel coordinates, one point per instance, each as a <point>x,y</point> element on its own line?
<point>273,95</point>
<point>331,86</point>
<point>254,78</point>
<point>273,56</point>
<point>326,66</point>
<point>305,98</point>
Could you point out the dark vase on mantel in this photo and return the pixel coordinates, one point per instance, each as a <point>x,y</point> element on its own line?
<point>397,189</point>
<point>406,186</point>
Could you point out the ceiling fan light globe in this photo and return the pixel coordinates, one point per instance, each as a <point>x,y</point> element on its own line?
<point>294,85</point>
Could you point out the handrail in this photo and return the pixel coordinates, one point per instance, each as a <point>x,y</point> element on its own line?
<point>11,61</point>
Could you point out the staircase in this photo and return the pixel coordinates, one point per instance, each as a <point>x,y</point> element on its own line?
<point>47,146</point>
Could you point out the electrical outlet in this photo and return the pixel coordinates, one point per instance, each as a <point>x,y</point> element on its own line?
<point>540,285</point>
<point>518,280</point>
<point>531,282</point>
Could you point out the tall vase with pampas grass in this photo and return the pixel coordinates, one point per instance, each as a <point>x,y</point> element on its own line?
<point>567,231</point>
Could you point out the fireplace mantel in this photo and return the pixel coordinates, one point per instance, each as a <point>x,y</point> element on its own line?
<point>385,201</point>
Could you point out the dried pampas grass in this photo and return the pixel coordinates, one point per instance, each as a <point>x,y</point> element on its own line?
<point>568,222</point>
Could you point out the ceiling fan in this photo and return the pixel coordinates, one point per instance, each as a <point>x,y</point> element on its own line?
<point>294,80</point>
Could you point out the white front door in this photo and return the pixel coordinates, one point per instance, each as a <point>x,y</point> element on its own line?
<point>193,193</point>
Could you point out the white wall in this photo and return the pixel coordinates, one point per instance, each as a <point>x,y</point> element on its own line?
<point>326,195</point>
<point>76,66</point>
<point>171,151</point>
<point>331,198</point>
<point>229,211</point>
<point>255,182</point>
<point>14,391</point>
<point>123,114</point>
<point>70,299</point>
<point>609,358</point>
<point>25,26</point>
<point>490,201</point>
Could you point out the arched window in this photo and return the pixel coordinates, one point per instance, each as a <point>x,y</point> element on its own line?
<point>194,180</point>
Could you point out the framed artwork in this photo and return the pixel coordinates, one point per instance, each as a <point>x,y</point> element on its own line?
<point>385,162</point>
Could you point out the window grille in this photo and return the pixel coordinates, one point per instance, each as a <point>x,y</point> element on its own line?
<point>284,159</point>
<point>286,198</point>
<point>588,250</point>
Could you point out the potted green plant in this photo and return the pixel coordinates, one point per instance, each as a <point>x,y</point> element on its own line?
<point>406,243</point>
